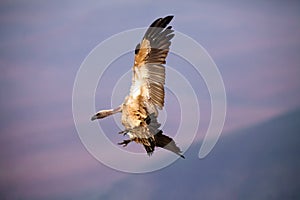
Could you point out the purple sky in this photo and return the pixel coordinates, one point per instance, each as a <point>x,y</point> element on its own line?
<point>255,45</point>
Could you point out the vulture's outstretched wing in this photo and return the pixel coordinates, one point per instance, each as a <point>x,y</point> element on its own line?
<point>150,55</point>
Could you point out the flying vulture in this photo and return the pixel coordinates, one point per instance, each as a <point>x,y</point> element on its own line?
<point>140,107</point>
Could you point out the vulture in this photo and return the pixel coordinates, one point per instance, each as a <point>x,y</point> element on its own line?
<point>140,108</point>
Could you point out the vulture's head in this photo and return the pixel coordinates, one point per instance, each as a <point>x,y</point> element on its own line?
<point>101,114</point>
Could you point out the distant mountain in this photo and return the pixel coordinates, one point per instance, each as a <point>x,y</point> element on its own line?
<point>261,162</point>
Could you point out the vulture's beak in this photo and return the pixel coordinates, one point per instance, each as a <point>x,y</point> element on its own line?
<point>94,117</point>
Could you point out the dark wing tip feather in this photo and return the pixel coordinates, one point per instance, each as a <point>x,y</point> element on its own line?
<point>137,48</point>
<point>155,23</point>
<point>159,23</point>
<point>165,21</point>
<point>162,22</point>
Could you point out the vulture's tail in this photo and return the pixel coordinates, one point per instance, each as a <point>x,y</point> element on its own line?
<point>166,142</point>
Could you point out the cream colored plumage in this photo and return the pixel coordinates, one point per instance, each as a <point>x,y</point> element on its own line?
<point>140,108</point>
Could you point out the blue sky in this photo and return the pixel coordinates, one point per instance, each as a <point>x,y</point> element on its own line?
<point>255,45</point>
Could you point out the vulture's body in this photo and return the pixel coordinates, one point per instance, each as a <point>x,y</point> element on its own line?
<point>139,110</point>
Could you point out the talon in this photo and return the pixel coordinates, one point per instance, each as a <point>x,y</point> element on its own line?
<point>123,132</point>
<point>124,143</point>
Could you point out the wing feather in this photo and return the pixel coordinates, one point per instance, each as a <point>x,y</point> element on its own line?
<point>150,55</point>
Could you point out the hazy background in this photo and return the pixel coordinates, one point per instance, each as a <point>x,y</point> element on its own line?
<point>256,47</point>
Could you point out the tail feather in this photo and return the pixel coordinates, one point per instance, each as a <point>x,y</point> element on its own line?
<point>150,148</point>
<point>158,139</point>
<point>166,142</point>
